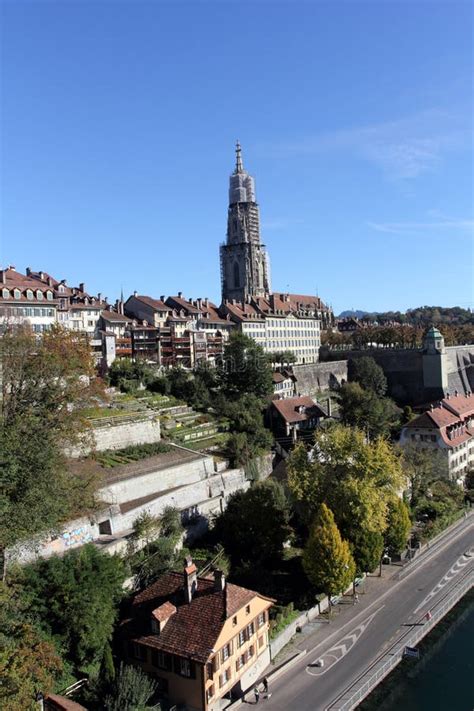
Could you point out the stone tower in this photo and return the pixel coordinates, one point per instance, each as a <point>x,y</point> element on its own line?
<point>435,366</point>
<point>244,261</point>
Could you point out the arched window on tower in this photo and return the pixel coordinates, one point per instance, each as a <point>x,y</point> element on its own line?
<point>236,276</point>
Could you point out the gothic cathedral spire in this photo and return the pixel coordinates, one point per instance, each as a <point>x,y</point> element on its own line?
<point>245,268</point>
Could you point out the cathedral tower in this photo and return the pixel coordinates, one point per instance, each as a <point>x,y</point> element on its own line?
<point>244,261</point>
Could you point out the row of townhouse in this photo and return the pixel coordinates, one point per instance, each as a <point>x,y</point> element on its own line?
<point>447,427</point>
<point>168,331</point>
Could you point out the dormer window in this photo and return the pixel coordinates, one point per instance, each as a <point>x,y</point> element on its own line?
<point>39,295</point>
<point>49,295</point>
<point>29,294</point>
<point>17,294</point>
<point>61,289</point>
<point>5,293</point>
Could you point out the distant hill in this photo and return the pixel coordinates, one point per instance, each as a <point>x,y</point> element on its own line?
<point>420,316</point>
<point>353,314</point>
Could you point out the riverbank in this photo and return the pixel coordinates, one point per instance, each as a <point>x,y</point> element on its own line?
<point>445,667</point>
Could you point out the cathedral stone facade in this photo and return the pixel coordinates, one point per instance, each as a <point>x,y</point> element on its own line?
<point>245,268</point>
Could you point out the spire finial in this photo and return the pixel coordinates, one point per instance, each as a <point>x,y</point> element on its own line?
<point>239,168</point>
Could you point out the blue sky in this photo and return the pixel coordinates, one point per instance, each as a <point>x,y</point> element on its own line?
<point>119,121</point>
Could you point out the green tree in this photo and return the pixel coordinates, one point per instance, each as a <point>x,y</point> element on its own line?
<point>254,525</point>
<point>45,384</point>
<point>245,369</point>
<point>355,478</point>
<point>29,661</point>
<point>398,526</point>
<point>249,437</point>
<point>368,374</point>
<point>377,416</point>
<point>170,522</point>
<point>146,527</point>
<point>421,467</point>
<point>367,549</point>
<point>132,690</point>
<point>327,559</point>
<point>75,598</point>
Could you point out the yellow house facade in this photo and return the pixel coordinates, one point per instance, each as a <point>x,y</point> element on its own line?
<point>202,639</point>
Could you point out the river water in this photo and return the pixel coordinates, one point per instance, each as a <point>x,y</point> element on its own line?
<point>443,679</point>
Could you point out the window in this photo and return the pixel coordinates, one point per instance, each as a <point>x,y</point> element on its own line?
<point>49,295</point>
<point>184,667</point>
<point>250,630</point>
<point>160,659</point>
<point>234,620</point>
<point>29,294</point>
<point>225,652</point>
<point>247,610</point>
<point>5,293</point>
<point>210,692</point>
<point>137,651</point>
<point>242,638</point>
<point>39,295</point>
<point>17,294</point>
<point>261,619</point>
<point>261,641</point>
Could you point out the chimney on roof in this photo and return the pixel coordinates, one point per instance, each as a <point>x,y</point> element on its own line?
<point>219,581</point>
<point>50,281</point>
<point>82,287</point>
<point>180,293</point>
<point>28,271</point>
<point>162,297</point>
<point>42,276</point>
<point>206,301</point>
<point>199,303</point>
<point>3,276</point>
<point>63,281</point>
<point>190,579</point>
<point>12,267</point>
<point>135,293</point>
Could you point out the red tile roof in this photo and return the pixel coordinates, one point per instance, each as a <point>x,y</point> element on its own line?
<point>114,316</point>
<point>460,404</point>
<point>288,408</point>
<point>55,702</point>
<point>156,304</point>
<point>193,630</point>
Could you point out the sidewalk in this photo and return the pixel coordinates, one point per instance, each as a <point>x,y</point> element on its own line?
<point>315,632</point>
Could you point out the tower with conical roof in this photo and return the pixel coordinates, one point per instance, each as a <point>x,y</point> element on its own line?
<point>245,268</point>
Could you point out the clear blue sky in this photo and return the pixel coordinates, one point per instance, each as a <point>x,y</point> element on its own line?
<point>120,118</point>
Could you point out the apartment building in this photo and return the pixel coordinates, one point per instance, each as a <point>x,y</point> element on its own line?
<point>447,427</point>
<point>24,300</point>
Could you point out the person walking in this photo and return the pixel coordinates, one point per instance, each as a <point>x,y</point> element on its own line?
<point>257,694</point>
<point>265,685</point>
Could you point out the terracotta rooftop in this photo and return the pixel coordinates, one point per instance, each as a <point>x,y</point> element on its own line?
<point>114,316</point>
<point>193,630</point>
<point>54,702</point>
<point>460,404</point>
<point>288,408</point>
<point>156,304</point>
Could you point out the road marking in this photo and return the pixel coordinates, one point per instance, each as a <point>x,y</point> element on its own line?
<point>338,651</point>
<point>455,569</point>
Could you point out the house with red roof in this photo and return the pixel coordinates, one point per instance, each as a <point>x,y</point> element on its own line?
<point>294,417</point>
<point>201,638</point>
<point>447,427</point>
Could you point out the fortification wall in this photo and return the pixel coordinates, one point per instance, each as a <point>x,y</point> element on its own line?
<point>315,377</point>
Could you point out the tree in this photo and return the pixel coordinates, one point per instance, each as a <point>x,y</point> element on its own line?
<point>245,369</point>
<point>367,549</point>
<point>421,466</point>
<point>368,374</point>
<point>254,525</point>
<point>29,661</point>
<point>146,527</point>
<point>132,690</point>
<point>249,436</point>
<point>355,478</point>
<point>45,384</point>
<point>398,526</point>
<point>75,598</point>
<point>170,522</point>
<point>364,409</point>
<point>327,559</point>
